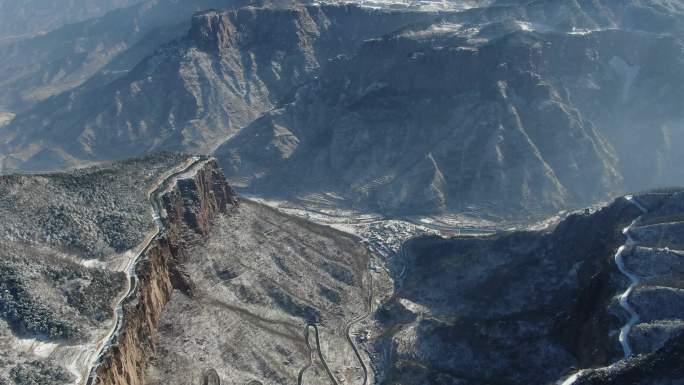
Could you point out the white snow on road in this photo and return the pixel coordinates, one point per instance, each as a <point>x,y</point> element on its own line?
<point>624,297</point>
<point>423,5</point>
<point>6,118</point>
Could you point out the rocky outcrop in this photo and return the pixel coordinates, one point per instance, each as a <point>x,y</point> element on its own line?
<point>194,202</point>
<point>191,205</point>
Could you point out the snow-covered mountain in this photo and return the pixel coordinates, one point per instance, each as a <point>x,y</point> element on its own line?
<point>520,106</point>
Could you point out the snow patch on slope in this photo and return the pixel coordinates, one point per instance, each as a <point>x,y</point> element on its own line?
<point>627,73</point>
<point>6,118</point>
<point>422,5</point>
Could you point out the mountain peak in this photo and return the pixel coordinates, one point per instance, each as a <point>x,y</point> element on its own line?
<point>212,30</point>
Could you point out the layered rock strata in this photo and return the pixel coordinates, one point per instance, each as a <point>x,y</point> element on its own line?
<point>190,206</point>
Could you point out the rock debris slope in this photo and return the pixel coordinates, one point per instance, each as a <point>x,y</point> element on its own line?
<point>267,291</point>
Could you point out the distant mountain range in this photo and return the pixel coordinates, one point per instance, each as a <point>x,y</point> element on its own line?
<point>31,17</point>
<point>515,106</point>
<point>97,50</point>
<point>197,90</point>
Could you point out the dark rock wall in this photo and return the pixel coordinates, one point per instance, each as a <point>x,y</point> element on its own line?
<point>191,205</point>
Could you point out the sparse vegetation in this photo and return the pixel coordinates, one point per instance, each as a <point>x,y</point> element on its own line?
<point>39,373</point>
<point>25,312</point>
<point>91,212</point>
<point>329,294</point>
<point>260,279</point>
<point>289,305</point>
<point>54,227</point>
<point>41,294</point>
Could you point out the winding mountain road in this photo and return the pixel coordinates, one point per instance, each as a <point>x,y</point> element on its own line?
<point>356,320</point>
<point>624,297</point>
<point>211,378</point>
<point>320,353</point>
<point>634,281</point>
<point>131,277</point>
<point>348,336</point>
<point>306,367</point>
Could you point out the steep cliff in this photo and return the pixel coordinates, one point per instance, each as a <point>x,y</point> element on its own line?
<point>66,240</point>
<point>191,204</point>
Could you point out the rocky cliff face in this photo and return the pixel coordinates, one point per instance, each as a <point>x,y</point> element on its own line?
<point>194,202</point>
<point>191,206</point>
